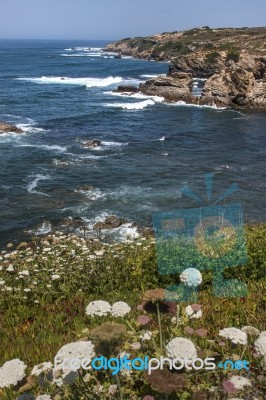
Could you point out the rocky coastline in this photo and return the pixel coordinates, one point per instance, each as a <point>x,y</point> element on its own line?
<point>233,62</point>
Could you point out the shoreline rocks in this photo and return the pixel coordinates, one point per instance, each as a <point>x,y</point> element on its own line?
<point>8,128</point>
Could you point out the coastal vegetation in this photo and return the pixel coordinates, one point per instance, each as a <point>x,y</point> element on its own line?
<point>49,291</point>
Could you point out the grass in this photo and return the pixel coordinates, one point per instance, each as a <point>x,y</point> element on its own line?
<point>39,314</point>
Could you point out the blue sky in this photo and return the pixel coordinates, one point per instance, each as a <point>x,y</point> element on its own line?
<point>114,19</point>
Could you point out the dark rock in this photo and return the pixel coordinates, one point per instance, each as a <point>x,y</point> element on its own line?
<point>6,128</point>
<point>126,89</point>
<point>84,188</point>
<point>91,144</point>
<point>109,223</point>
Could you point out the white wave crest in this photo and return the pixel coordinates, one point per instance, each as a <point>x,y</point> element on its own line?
<point>183,104</point>
<point>133,106</point>
<point>31,187</point>
<point>152,75</point>
<point>60,149</point>
<point>88,82</point>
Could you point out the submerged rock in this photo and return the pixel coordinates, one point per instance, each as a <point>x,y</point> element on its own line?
<point>91,144</point>
<point>8,128</point>
<point>109,223</point>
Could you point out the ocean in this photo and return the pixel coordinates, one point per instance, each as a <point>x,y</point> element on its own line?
<point>61,94</point>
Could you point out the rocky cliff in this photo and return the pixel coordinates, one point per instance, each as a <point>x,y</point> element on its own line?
<point>232,60</point>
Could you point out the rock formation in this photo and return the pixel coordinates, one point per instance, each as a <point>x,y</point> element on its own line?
<point>232,60</point>
<point>7,128</point>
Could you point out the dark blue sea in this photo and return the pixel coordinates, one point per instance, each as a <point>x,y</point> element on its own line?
<point>61,94</point>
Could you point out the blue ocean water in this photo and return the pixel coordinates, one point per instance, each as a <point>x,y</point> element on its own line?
<point>60,93</point>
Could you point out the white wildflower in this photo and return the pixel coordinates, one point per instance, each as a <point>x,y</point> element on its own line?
<point>240,382</point>
<point>41,368</point>
<point>112,389</point>
<point>146,336</point>
<point>193,314</point>
<point>44,397</point>
<point>99,252</point>
<point>181,348</point>
<point>10,268</point>
<point>262,334</point>
<point>27,290</point>
<point>2,282</point>
<point>235,335</point>
<point>79,350</point>
<point>120,309</point>
<point>191,277</point>
<point>55,277</point>
<point>12,372</point>
<point>25,272</point>
<point>260,345</point>
<point>48,286</point>
<point>98,307</point>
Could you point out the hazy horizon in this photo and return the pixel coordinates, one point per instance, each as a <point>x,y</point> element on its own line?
<point>101,20</point>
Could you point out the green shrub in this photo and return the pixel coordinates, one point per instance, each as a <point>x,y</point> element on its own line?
<point>233,55</point>
<point>212,57</point>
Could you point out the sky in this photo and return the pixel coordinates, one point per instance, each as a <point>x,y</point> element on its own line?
<point>117,19</point>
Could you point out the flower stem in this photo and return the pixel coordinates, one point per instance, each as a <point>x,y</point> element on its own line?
<point>159,325</point>
<point>119,386</point>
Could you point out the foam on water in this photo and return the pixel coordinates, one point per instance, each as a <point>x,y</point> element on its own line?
<point>88,82</point>
<point>151,76</point>
<point>133,106</point>
<point>183,104</point>
<point>31,187</point>
<point>43,229</point>
<point>60,149</point>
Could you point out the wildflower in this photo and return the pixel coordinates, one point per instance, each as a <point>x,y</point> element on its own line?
<point>240,382</point>
<point>40,368</point>
<point>2,282</point>
<point>154,295</point>
<point>112,389</point>
<point>189,330</point>
<point>99,253</point>
<point>235,335</point>
<point>144,320</point>
<point>135,346</point>
<point>25,272</point>
<point>108,338</point>
<point>99,308</point>
<point>193,314</point>
<point>10,268</point>
<point>260,346</point>
<point>72,350</point>
<point>146,336</point>
<point>55,277</point>
<point>201,332</point>
<point>44,397</point>
<point>27,290</point>
<point>229,387</point>
<point>165,382</point>
<point>191,277</point>
<point>12,372</point>
<point>181,348</point>
<point>250,330</point>
<point>120,309</point>
<point>48,286</point>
